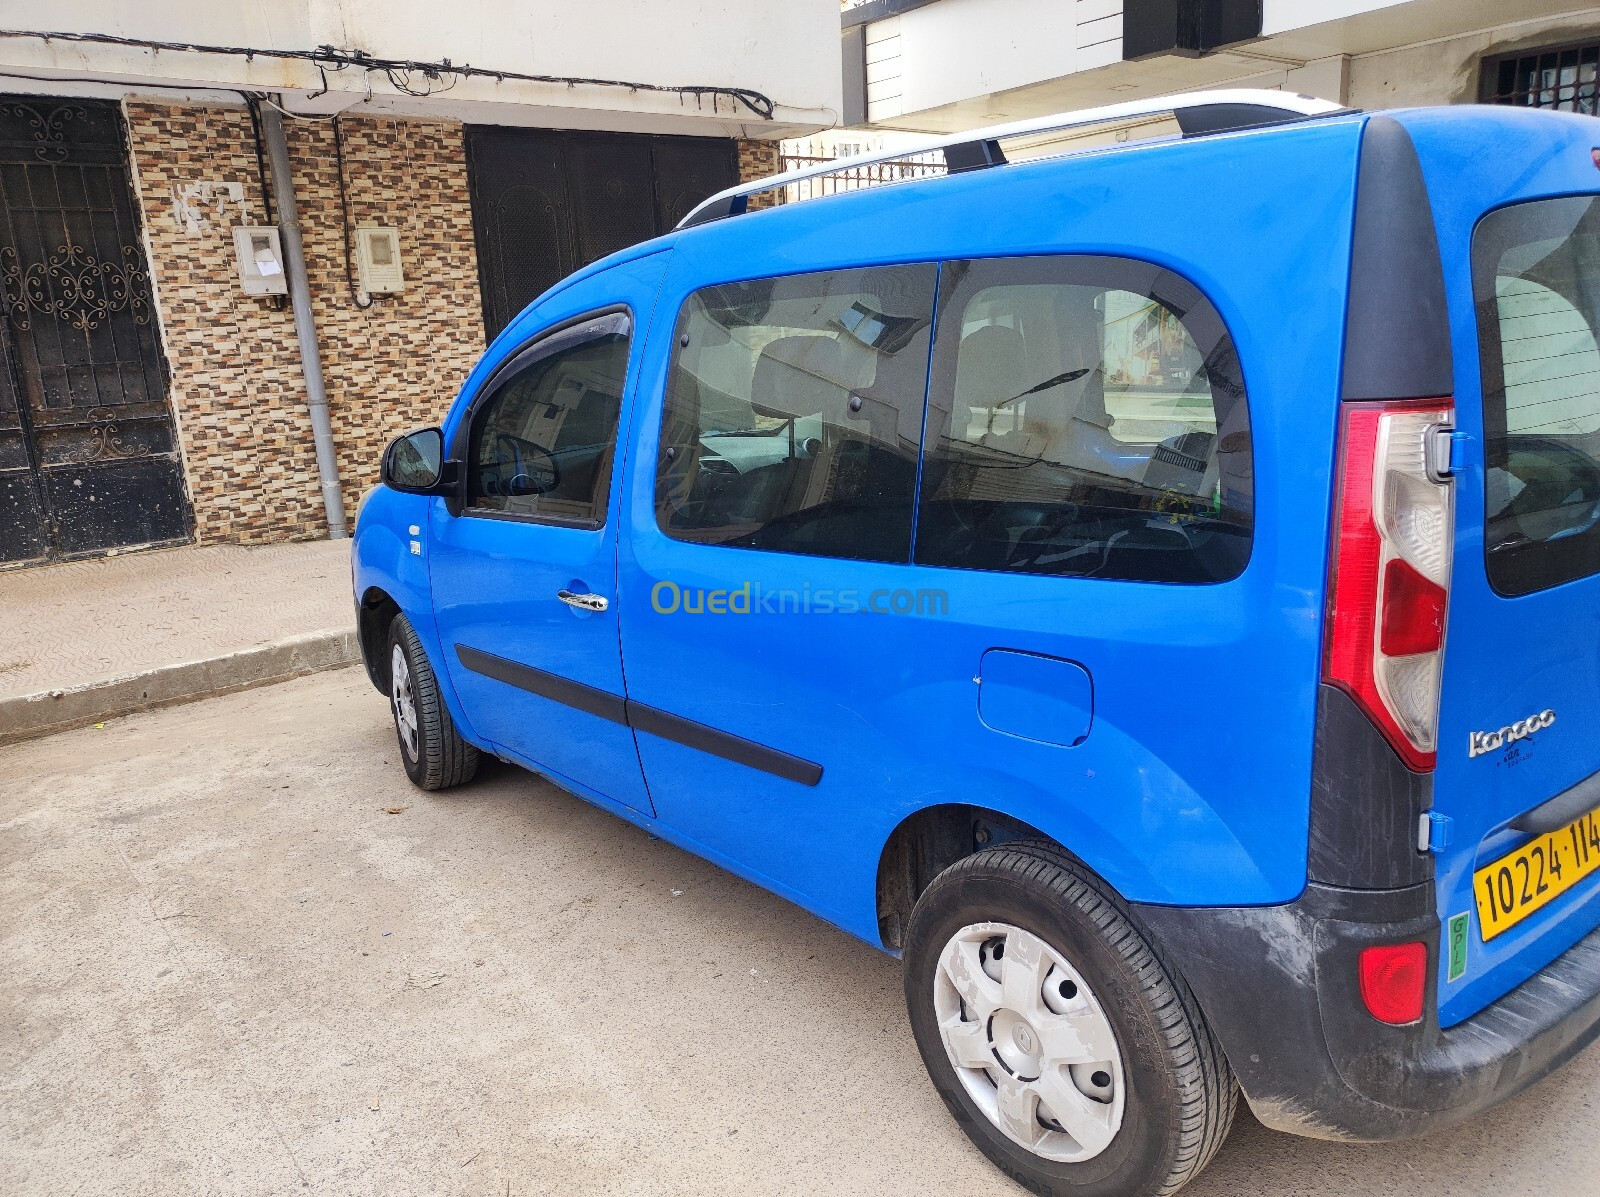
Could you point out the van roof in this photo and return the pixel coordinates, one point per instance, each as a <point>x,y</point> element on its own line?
<point>799,223</point>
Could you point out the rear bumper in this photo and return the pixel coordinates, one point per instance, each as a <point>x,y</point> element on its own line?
<point>1278,985</point>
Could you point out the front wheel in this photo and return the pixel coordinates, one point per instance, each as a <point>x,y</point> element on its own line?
<point>1065,1048</point>
<point>433,752</point>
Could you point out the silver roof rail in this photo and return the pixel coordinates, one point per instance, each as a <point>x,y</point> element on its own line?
<point>1196,113</point>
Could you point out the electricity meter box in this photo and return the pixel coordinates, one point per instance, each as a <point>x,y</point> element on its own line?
<point>378,260</point>
<point>260,255</point>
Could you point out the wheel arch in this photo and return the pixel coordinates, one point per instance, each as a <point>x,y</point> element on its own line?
<point>374,613</point>
<point>930,840</point>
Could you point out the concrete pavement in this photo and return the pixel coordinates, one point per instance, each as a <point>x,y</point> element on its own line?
<point>226,968</point>
<point>89,640</point>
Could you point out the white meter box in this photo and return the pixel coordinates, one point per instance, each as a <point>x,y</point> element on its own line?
<point>378,260</point>
<point>260,255</point>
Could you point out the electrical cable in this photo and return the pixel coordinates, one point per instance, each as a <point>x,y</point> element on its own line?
<point>407,76</point>
<point>344,226</point>
<point>300,116</point>
<point>253,103</point>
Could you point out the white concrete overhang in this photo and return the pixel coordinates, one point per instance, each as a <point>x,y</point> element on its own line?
<point>35,67</point>
<point>1290,43</point>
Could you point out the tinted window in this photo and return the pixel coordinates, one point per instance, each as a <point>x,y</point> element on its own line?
<point>1087,417</point>
<point>542,443</point>
<point>793,413</point>
<point>1536,270</point>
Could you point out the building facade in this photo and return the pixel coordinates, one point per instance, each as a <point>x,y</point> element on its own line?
<point>157,385</point>
<point>950,65</point>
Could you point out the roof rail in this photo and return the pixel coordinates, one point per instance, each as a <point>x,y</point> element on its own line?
<point>1196,113</point>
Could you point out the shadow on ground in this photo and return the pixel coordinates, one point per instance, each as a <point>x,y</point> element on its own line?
<point>226,967</point>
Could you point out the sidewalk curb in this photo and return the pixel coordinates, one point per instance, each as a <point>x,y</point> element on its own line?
<point>26,716</point>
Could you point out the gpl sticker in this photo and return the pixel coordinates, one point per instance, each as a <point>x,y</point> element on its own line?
<point>1456,938</point>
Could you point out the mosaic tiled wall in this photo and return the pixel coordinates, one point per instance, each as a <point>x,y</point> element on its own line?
<point>757,160</point>
<point>237,388</point>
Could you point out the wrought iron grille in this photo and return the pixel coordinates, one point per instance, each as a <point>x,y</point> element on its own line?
<point>88,450</point>
<point>1564,77</point>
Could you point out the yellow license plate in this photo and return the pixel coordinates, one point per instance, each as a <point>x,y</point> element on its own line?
<point>1536,874</point>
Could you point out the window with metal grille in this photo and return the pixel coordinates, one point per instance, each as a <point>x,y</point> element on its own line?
<point>1565,77</point>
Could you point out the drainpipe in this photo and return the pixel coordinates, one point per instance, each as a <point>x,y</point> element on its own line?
<point>294,261</point>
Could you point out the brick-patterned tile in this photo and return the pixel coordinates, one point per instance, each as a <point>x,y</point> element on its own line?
<point>237,388</point>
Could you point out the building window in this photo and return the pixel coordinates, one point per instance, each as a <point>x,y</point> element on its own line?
<point>1562,77</point>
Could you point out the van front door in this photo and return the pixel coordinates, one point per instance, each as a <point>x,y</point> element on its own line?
<point>524,578</point>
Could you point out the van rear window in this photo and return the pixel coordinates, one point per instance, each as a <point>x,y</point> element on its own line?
<point>1536,276</point>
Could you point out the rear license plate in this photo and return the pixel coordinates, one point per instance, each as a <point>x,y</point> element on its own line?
<point>1536,874</point>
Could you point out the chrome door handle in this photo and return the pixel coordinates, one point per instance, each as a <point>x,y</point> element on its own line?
<point>584,602</point>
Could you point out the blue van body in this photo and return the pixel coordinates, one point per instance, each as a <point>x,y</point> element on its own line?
<point>1177,739</point>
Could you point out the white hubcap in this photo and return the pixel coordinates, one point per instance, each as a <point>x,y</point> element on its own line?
<point>405,707</point>
<point>1029,1041</point>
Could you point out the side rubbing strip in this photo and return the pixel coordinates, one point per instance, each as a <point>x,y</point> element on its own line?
<point>640,717</point>
<point>720,743</point>
<point>546,685</point>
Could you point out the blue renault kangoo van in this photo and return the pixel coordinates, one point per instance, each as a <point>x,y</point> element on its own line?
<point>1150,586</point>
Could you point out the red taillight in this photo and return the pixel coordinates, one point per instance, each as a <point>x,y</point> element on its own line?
<point>1413,612</point>
<point>1394,981</point>
<point>1390,577</point>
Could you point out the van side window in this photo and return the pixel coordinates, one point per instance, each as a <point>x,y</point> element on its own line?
<point>1087,417</point>
<point>793,413</point>
<point>542,443</point>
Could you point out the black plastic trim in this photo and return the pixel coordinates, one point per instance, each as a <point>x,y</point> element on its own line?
<point>567,692</point>
<point>1397,324</point>
<point>641,718</point>
<point>724,744</point>
<point>1562,809</point>
<point>732,205</point>
<point>1365,803</point>
<point>1226,118</point>
<point>973,155</point>
<point>1321,1065</point>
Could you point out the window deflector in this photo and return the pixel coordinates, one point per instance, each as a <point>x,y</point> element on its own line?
<point>551,341</point>
<point>561,337</point>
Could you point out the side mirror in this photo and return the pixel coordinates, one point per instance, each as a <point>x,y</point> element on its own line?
<point>415,463</point>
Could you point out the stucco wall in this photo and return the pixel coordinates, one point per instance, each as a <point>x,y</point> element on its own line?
<point>237,388</point>
<point>1447,71</point>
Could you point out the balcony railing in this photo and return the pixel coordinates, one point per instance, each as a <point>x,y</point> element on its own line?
<point>855,178</point>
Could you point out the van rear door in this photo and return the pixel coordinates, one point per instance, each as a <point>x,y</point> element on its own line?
<point>1516,844</point>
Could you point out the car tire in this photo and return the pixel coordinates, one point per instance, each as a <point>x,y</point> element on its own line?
<point>1139,1113</point>
<point>432,751</point>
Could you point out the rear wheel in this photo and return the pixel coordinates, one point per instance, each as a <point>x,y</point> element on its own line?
<point>433,752</point>
<point>1066,1049</point>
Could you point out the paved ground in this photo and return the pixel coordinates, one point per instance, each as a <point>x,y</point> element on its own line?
<point>80,622</point>
<point>225,969</point>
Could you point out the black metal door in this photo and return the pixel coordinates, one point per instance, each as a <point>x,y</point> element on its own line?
<point>545,203</point>
<point>88,452</point>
